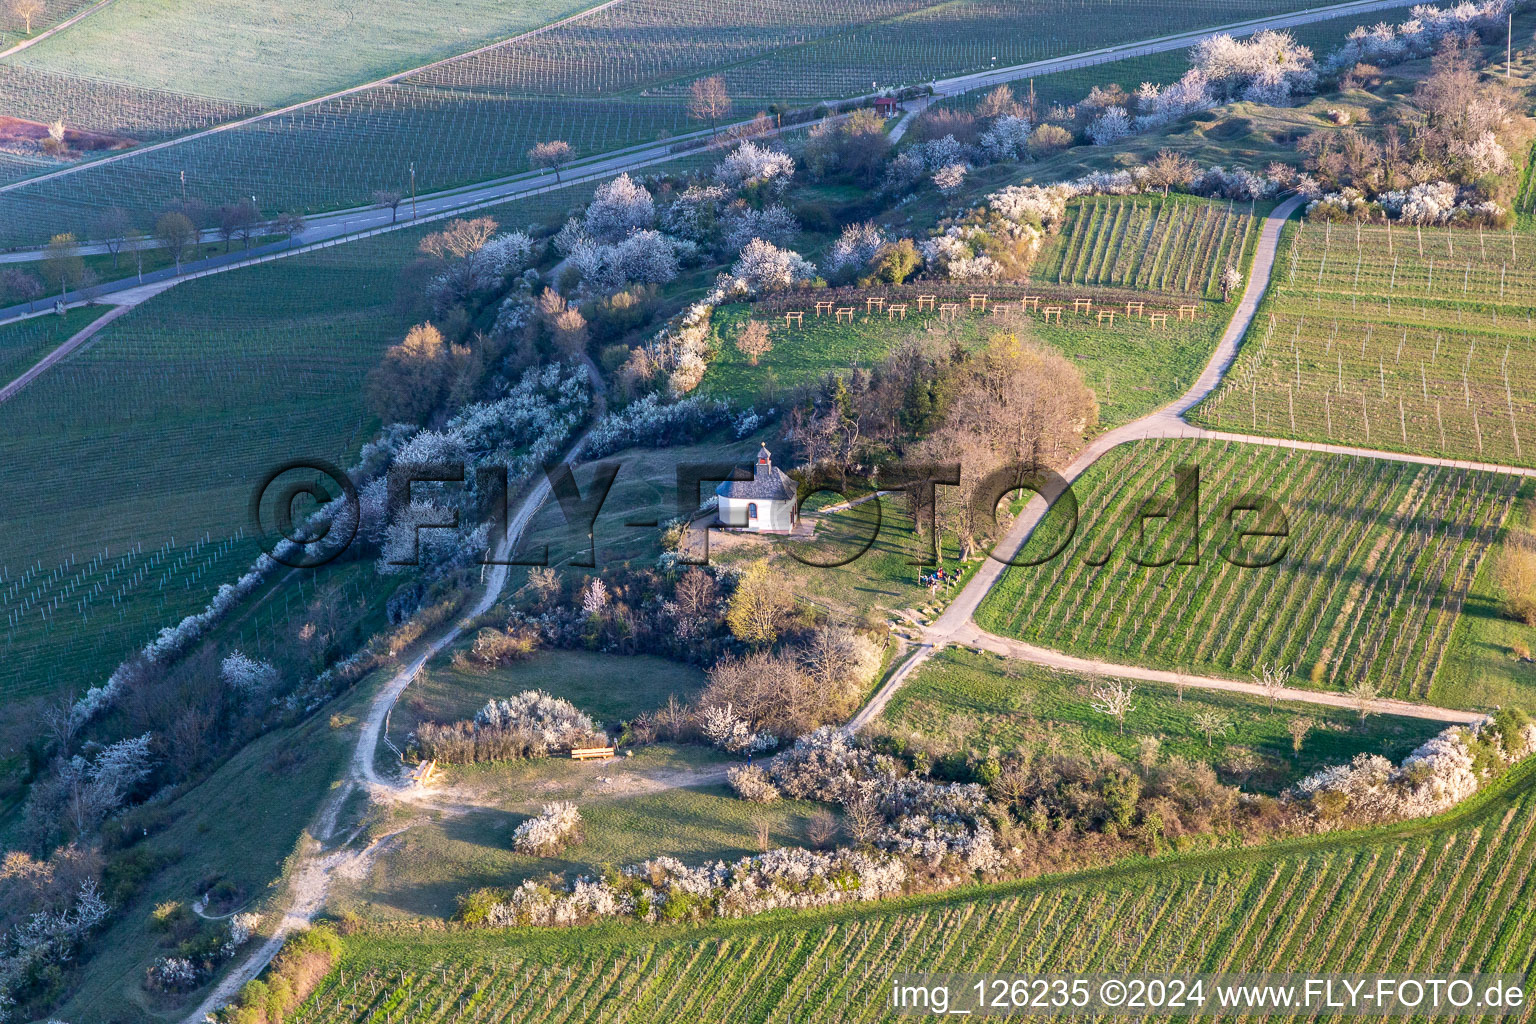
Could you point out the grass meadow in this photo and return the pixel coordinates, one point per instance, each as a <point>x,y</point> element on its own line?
<point>1132,366</point>
<point>1409,339</point>
<point>1431,896</point>
<point>24,342</point>
<point>1367,584</point>
<point>970,702</point>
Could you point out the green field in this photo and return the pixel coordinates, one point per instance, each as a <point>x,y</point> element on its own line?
<point>253,53</point>
<point>609,687</point>
<point>1176,245</point>
<point>1132,367</point>
<point>638,816</point>
<point>1417,341</point>
<point>971,702</point>
<point>1447,894</point>
<point>1375,569</point>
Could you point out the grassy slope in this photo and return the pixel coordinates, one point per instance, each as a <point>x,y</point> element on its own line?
<point>609,687</point>
<point>255,53</point>
<point>975,701</point>
<point>1132,367</point>
<point>1412,896</point>
<point>241,824</point>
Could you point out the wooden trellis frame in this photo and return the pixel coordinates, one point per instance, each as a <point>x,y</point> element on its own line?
<point>1138,308</point>
<point>823,307</point>
<point>894,308</point>
<point>1083,306</point>
<point>794,318</point>
<point>1107,313</point>
<point>1050,311</point>
<point>873,302</point>
<point>925,300</point>
<point>978,298</point>
<point>1158,319</point>
<point>845,311</point>
<point>949,310</point>
<point>999,308</point>
<point>1030,302</point>
<point>1187,309</point>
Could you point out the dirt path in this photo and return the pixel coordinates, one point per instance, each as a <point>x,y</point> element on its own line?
<point>955,625</point>
<point>75,340</point>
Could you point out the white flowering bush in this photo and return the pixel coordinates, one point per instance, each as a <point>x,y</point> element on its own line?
<point>549,831</point>
<point>1110,126</point>
<point>644,256</point>
<point>241,927</point>
<point>619,207</point>
<point>950,177</point>
<point>764,267</point>
<point>665,889</point>
<point>508,253</point>
<point>728,731</point>
<point>654,422</point>
<point>246,675</point>
<point>1384,44</point>
<point>1158,105</point>
<point>1441,773</point>
<point>741,224</point>
<point>1006,138</point>
<point>752,783</point>
<point>173,974</point>
<point>1267,66</point>
<point>553,722</point>
<point>753,165</point>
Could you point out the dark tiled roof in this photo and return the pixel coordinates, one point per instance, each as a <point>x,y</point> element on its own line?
<point>768,483</point>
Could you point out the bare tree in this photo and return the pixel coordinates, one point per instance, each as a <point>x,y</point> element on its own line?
<point>460,238</point>
<point>1298,728</point>
<point>753,341</point>
<point>862,821</point>
<point>62,264</point>
<point>821,827</point>
<point>998,102</point>
<point>20,286</point>
<point>1211,724</point>
<point>760,831</point>
<point>555,153</point>
<point>290,224</point>
<point>388,199</point>
<point>26,10</point>
<point>1168,169</point>
<point>708,100</point>
<point>1113,698</point>
<point>175,232</point>
<point>111,229</point>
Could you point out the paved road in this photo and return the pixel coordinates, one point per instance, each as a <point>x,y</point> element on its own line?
<point>955,624</point>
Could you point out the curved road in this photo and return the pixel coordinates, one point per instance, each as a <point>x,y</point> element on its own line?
<point>955,625</point>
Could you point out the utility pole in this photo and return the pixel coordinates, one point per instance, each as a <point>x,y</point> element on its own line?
<point>1509,49</point>
<point>413,190</point>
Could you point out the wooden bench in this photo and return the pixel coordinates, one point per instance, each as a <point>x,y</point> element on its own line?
<point>422,774</point>
<point>591,753</point>
<point>823,307</point>
<point>794,319</point>
<point>927,300</point>
<point>845,311</point>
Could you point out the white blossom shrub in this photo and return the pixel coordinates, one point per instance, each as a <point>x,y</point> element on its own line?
<point>1110,126</point>
<point>246,675</point>
<point>654,422</point>
<point>508,253</point>
<point>728,731</point>
<point>1158,105</point>
<point>764,267</point>
<point>854,248</point>
<point>949,178</point>
<point>1384,44</point>
<point>642,257</point>
<point>741,224</point>
<point>551,722</point>
<point>693,212</point>
<point>750,164</point>
<point>241,927</point>
<point>1006,138</point>
<point>173,974</point>
<point>548,832</point>
<point>1441,773</point>
<point>752,783</point>
<point>1266,63</point>
<point>619,207</point>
